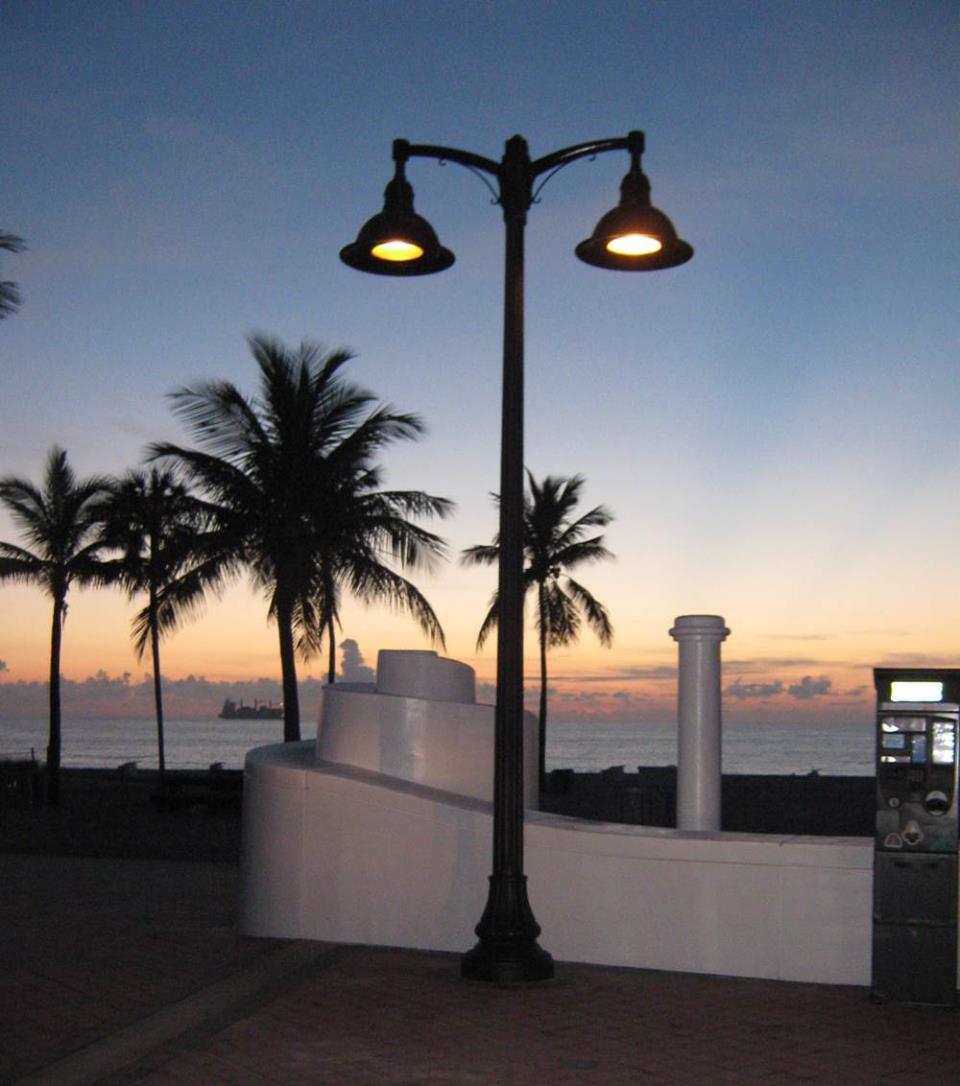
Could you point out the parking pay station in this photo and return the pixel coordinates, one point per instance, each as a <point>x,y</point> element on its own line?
<point>915,860</point>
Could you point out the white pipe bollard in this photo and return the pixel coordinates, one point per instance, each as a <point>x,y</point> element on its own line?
<point>699,731</point>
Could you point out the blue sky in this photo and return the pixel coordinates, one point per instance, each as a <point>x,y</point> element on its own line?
<point>774,424</point>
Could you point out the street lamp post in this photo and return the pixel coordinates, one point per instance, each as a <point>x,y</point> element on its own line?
<point>634,236</point>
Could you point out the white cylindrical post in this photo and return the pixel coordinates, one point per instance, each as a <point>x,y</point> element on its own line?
<point>699,733</point>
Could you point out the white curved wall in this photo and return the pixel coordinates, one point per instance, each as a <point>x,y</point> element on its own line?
<point>342,854</point>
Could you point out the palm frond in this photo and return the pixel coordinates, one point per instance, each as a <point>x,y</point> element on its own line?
<point>17,564</point>
<point>371,581</point>
<point>11,243</point>
<point>577,553</point>
<point>598,517</point>
<point>483,554</point>
<point>561,622</point>
<point>597,616</point>
<point>490,621</point>
<point>10,297</point>
<point>221,418</point>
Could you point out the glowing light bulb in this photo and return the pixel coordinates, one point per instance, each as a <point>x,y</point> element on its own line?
<point>634,245</point>
<point>397,250</point>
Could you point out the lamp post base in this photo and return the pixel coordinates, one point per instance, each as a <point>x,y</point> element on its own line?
<point>507,951</point>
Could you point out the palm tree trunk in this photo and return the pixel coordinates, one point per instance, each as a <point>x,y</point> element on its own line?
<point>157,686</point>
<point>288,673</point>
<point>332,665</point>
<point>542,722</point>
<point>53,741</point>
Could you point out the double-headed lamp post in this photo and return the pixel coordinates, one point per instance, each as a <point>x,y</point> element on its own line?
<point>634,236</point>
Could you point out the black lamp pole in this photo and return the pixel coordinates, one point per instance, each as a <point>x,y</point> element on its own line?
<point>507,950</point>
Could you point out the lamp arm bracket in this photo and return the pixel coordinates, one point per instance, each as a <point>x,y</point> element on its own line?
<point>453,154</point>
<point>476,164</point>
<point>483,177</point>
<point>485,168</point>
<point>553,162</point>
<point>535,197</point>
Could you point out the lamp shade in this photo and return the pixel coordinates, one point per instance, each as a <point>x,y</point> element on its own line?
<point>397,241</point>
<point>634,236</point>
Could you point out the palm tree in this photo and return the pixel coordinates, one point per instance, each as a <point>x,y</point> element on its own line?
<point>155,524</point>
<point>553,543</point>
<point>364,526</point>
<point>59,523</point>
<point>290,482</point>
<point>9,291</point>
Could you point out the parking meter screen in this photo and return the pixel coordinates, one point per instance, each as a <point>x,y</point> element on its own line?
<point>916,691</point>
<point>944,742</point>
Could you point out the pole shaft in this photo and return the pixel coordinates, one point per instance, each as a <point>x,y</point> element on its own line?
<point>508,768</point>
<point>507,951</point>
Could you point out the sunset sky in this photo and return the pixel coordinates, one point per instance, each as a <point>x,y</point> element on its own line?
<point>774,424</point>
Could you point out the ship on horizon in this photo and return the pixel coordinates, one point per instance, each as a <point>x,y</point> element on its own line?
<point>238,711</point>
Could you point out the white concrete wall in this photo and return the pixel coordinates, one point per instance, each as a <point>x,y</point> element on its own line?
<point>343,854</point>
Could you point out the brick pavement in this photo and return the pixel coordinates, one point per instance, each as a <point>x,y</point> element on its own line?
<point>90,946</point>
<point>344,1015</point>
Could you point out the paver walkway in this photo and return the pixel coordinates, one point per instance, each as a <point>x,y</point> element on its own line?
<point>121,972</point>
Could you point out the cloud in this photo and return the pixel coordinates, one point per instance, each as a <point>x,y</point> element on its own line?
<point>795,637</point>
<point>919,659</point>
<point>352,667</point>
<point>809,687</point>
<point>567,705</point>
<point>121,697</point>
<point>856,692</point>
<point>487,693</point>
<point>3,666</point>
<point>753,664</point>
<point>662,672</point>
<point>101,682</point>
<point>742,690</point>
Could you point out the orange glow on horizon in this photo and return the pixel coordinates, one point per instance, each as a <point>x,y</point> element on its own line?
<point>770,673</point>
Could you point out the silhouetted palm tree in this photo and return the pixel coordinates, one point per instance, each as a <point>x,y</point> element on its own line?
<point>291,484</point>
<point>553,543</point>
<point>58,522</point>
<point>10,299</point>
<point>155,524</point>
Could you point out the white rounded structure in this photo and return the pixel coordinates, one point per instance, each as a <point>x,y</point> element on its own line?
<point>698,721</point>
<point>420,723</point>
<point>416,674</point>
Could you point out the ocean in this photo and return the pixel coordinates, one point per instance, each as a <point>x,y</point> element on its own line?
<point>832,750</point>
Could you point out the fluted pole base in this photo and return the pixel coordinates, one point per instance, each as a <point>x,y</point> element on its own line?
<point>508,952</point>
